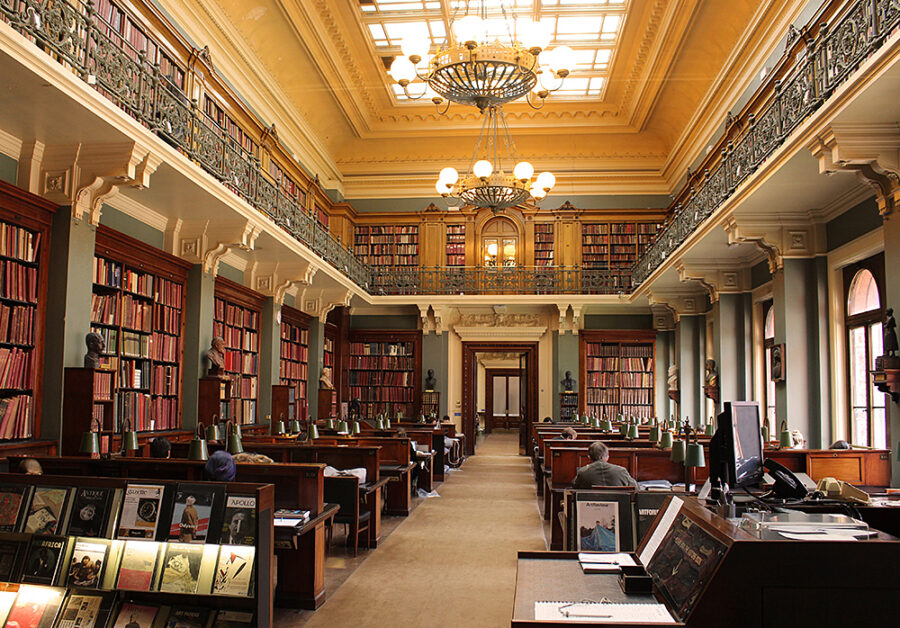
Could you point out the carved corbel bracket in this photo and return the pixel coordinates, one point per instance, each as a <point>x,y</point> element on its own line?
<point>663,317</point>
<point>776,238</point>
<point>715,279</point>
<point>330,299</point>
<point>427,324</point>
<point>685,302</point>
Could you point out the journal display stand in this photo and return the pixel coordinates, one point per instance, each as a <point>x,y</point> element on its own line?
<point>707,572</point>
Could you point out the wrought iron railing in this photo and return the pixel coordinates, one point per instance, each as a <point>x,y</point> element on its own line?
<point>825,63</point>
<point>458,280</point>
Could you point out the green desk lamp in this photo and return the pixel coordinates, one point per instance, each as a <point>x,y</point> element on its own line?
<point>233,439</point>
<point>665,439</point>
<point>710,427</point>
<point>387,423</point>
<point>784,437</point>
<point>623,428</point>
<point>765,431</point>
<point>90,440</point>
<point>694,456</point>
<point>129,438</point>
<point>278,428</point>
<point>678,450</point>
<point>198,449</point>
<point>213,432</point>
<point>329,423</point>
<point>654,432</point>
<point>379,423</point>
<point>632,432</point>
<point>295,426</point>
<point>342,427</point>
<point>354,428</point>
<point>313,431</point>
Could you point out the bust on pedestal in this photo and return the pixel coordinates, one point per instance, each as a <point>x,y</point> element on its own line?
<point>569,383</point>
<point>95,346</point>
<point>216,357</point>
<point>430,381</point>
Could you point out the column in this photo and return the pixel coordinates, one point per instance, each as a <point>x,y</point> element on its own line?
<point>435,355</point>
<point>68,317</point>
<point>892,299</point>
<point>198,333</point>
<point>664,342</point>
<point>688,333</point>
<point>316,343</point>
<point>269,357</point>
<point>796,289</point>
<point>729,341</point>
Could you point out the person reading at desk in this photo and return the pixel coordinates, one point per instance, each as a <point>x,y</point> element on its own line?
<point>601,472</point>
<point>568,433</point>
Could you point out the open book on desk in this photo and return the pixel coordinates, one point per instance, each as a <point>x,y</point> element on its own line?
<point>602,613</point>
<point>605,562</point>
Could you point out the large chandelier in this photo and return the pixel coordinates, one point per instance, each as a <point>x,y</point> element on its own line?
<point>489,182</point>
<point>484,62</point>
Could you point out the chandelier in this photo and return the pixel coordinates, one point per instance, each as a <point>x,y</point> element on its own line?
<point>484,62</point>
<point>488,182</point>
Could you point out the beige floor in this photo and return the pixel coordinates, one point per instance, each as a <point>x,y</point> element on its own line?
<point>452,562</point>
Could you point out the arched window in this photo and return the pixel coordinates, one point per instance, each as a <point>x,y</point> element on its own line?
<point>500,243</point>
<point>768,343</point>
<point>868,415</point>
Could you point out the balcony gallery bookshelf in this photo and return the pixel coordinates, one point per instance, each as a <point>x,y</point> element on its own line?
<point>388,245</point>
<point>456,245</point>
<point>615,246</point>
<point>543,244</point>
<point>617,373</point>
<point>237,321</point>
<point>386,372</point>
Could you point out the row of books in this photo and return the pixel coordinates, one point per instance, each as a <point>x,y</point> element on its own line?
<point>110,337</point>
<point>19,243</point>
<point>107,273</point>
<point>16,324</point>
<point>105,309</point>
<point>602,395</point>
<point>232,128</point>
<point>602,349</point>
<point>606,379</point>
<point>244,387</point>
<point>134,374</point>
<point>16,417</point>
<point>135,345</point>
<point>136,314</point>
<point>603,411</point>
<point>104,385</point>
<point>601,364</point>
<point>236,315</point>
<point>382,363</point>
<point>294,334</point>
<point>35,606</point>
<point>242,411</point>
<point>138,283</point>
<point>164,348</point>
<point>633,379</point>
<point>164,411</point>
<point>637,351</point>
<point>237,362</point>
<point>15,368</point>
<point>371,409</point>
<point>293,351</point>
<point>637,364</point>
<point>169,293</point>
<point>637,396</point>
<point>164,380</point>
<point>380,378</point>
<point>167,319</point>
<point>382,229</point>
<point>17,281</point>
<point>641,412</point>
<point>135,407</point>
<point>390,260</point>
<point>293,370</point>
<point>384,393</point>
<point>382,348</point>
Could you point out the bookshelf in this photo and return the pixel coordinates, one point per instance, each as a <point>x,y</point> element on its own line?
<point>237,321</point>
<point>294,362</point>
<point>543,244</point>
<point>328,361</point>
<point>615,246</point>
<point>390,245</point>
<point>137,306</point>
<point>617,373</point>
<point>431,403</point>
<point>24,261</point>
<point>568,405</point>
<point>386,372</point>
<point>456,245</point>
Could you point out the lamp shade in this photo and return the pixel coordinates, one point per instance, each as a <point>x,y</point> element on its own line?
<point>313,431</point>
<point>523,171</point>
<point>470,28</point>
<point>130,441</point>
<point>694,457</point>
<point>278,428</point>
<point>678,450</point>
<point>329,424</point>
<point>606,425</point>
<point>295,426</point>
<point>623,428</point>
<point>415,44</point>
<point>402,70</point>
<point>632,432</point>
<point>387,423</point>
<point>90,443</point>
<point>379,423</point>
<point>354,427</point>
<point>654,434</point>
<point>213,432</point>
<point>546,181</point>
<point>784,437</point>
<point>534,34</point>
<point>665,439</point>
<point>198,449</point>
<point>710,429</point>
<point>342,426</point>
<point>233,441</point>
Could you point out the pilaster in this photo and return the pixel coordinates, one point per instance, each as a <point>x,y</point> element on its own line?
<point>198,333</point>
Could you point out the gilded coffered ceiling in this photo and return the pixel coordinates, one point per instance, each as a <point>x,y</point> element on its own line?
<point>652,86</point>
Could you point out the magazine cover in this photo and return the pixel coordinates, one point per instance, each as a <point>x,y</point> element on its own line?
<point>233,619</point>
<point>239,523</point>
<point>81,611</point>
<point>88,561</point>
<point>598,526</point>
<point>140,511</point>
<point>90,512</point>
<point>188,618</point>
<point>137,566</point>
<point>181,568</point>
<point>7,599</point>
<point>35,607</point>
<point>10,555</point>
<point>43,559</point>
<point>194,505</point>
<point>45,511</point>
<point>234,570</point>
<point>11,499</point>
<point>135,616</point>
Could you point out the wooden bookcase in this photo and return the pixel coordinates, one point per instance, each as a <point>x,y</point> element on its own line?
<point>329,354</point>
<point>24,259</point>
<point>617,369</point>
<point>390,245</point>
<point>431,402</point>
<point>615,246</point>
<point>543,244</point>
<point>294,362</point>
<point>568,405</point>
<point>237,321</point>
<point>456,245</point>
<point>137,306</point>
<point>386,372</point>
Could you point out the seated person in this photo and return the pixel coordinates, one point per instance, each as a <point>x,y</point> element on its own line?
<point>568,433</point>
<point>251,458</point>
<point>547,420</point>
<point>600,472</point>
<point>160,448</point>
<point>30,466</point>
<point>220,467</point>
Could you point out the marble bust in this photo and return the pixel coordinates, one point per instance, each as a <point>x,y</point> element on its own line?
<point>430,381</point>
<point>216,357</point>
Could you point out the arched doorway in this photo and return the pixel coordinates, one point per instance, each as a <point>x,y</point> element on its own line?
<point>500,243</point>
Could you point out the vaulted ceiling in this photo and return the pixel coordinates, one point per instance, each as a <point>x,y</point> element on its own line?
<point>653,85</point>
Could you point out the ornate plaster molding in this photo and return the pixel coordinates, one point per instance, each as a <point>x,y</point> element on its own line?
<point>663,317</point>
<point>681,302</point>
<point>776,237</point>
<point>716,279</point>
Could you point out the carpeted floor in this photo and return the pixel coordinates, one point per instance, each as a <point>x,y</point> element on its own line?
<point>453,561</point>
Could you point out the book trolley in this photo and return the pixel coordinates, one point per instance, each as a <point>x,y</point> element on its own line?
<point>104,552</point>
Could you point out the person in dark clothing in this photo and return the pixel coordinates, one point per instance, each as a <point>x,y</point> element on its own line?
<point>600,472</point>
<point>160,448</point>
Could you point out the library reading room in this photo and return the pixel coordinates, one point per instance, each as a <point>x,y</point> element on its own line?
<point>449,313</point>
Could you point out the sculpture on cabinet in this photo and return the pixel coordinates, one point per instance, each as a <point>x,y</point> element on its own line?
<point>430,381</point>
<point>325,379</point>
<point>569,382</point>
<point>216,357</point>
<point>95,346</point>
<point>672,378</point>
<point>712,373</point>
<point>890,334</point>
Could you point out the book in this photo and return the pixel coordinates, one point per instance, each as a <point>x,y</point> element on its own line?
<point>195,505</point>
<point>234,570</point>
<point>233,619</point>
<point>90,511</point>
<point>45,510</point>
<point>43,560</point>
<point>133,615</point>
<point>181,568</point>
<point>35,607</point>
<point>81,611</point>
<point>7,599</point>
<point>239,523</point>
<point>12,498</point>
<point>88,562</point>
<point>10,557</point>
<point>140,511</point>
<point>181,617</point>
<point>137,566</point>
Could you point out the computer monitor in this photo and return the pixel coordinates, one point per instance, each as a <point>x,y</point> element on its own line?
<point>736,449</point>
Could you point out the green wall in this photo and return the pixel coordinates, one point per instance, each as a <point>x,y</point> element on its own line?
<point>852,224</point>
<point>8,167</point>
<point>123,223</point>
<point>392,322</point>
<point>230,272</point>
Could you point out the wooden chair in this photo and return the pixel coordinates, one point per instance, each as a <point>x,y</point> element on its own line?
<point>344,491</point>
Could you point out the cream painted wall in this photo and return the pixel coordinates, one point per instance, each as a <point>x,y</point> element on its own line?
<point>454,379</point>
<point>481,393</point>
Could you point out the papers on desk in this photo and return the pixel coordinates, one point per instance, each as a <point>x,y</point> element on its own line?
<point>285,518</point>
<point>806,533</point>
<point>604,563</point>
<point>602,613</point>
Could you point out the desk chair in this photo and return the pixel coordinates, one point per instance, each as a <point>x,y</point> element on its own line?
<point>344,491</point>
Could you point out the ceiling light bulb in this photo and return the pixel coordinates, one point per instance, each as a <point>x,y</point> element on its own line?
<point>492,249</point>
<point>483,169</point>
<point>470,28</point>
<point>415,45</point>
<point>537,192</point>
<point>443,188</point>
<point>546,181</point>
<point>561,60</point>
<point>449,176</point>
<point>402,70</point>
<point>523,171</point>
<point>534,34</point>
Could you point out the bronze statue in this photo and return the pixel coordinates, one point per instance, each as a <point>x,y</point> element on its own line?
<point>216,357</point>
<point>430,381</point>
<point>568,383</point>
<point>95,346</point>
<point>712,374</point>
<point>890,333</point>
